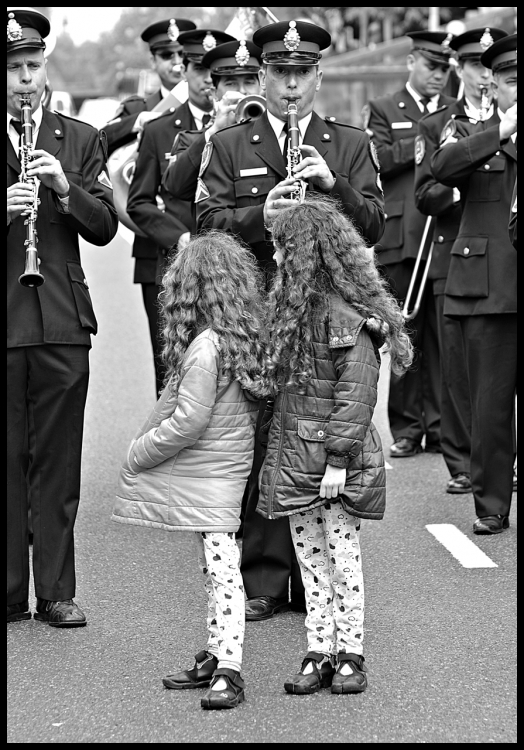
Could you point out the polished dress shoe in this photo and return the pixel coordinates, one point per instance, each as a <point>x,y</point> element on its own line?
<point>432,448</point>
<point>198,677</point>
<point>459,484</point>
<point>356,682</point>
<point>230,696</point>
<point>404,448</point>
<point>63,614</point>
<point>18,612</point>
<point>264,607</point>
<point>491,525</point>
<point>312,682</point>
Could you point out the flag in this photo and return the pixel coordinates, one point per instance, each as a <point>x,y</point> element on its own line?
<point>247,20</point>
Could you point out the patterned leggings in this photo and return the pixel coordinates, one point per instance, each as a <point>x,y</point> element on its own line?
<point>327,544</point>
<point>219,560</point>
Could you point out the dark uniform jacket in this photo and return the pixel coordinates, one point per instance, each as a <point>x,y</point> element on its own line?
<point>246,163</point>
<point>60,311</point>
<point>431,197</point>
<point>483,271</point>
<point>392,126</point>
<point>181,175</point>
<point>120,130</point>
<point>163,228</point>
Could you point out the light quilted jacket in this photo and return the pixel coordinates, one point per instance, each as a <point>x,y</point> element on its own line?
<point>187,468</point>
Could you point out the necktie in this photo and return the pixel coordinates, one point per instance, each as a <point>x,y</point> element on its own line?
<point>206,119</point>
<point>286,140</point>
<point>424,100</point>
<point>18,127</point>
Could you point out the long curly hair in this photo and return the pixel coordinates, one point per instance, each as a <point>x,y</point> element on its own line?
<point>324,253</point>
<point>214,283</point>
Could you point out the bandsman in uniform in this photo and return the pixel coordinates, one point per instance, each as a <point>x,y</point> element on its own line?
<point>391,121</point>
<point>243,186</point>
<point>132,115</point>
<point>434,199</point>
<point>481,291</point>
<point>49,325</point>
<point>234,70</point>
<point>164,220</point>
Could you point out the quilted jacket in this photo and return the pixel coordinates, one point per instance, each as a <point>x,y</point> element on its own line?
<point>188,465</point>
<point>329,423</point>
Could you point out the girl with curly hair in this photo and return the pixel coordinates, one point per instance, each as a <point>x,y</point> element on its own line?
<point>188,465</point>
<point>329,315</point>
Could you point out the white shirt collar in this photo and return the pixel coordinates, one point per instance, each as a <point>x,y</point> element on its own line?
<point>474,112</point>
<point>278,126</point>
<point>163,91</point>
<point>432,104</point>
<point>197,113</point>
<point>13,135</point>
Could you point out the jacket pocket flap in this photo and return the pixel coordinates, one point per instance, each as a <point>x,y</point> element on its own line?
<point>394,208</point>
<point>496,164</point>
<point>76,273</point>
<point>252,187</point>
<point>312,429</point>
<point>468,247</point>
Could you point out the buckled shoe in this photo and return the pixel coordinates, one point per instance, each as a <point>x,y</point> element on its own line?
<point>356,682</point>
<point>404,448</point>
<point>459,484</point>
<point>264,607</point>
<point>491,525</point>
<point>320,677</point>
<point>62,614</point>
<point>18,612</point>
<point>198,677</point>
<point>231,696</point>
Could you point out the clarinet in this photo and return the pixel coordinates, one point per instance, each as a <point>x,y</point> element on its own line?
<point>484,101</point>
<point>31,276</point>
<point>294,154</point>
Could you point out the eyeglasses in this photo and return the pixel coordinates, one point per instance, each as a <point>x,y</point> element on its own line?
<point>168,55</point>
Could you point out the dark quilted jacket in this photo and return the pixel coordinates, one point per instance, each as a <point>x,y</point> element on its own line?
<point>329,423</point>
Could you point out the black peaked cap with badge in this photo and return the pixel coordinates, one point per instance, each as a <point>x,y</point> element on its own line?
<point>502,54</point>
<point>198,42</point>
<point>433,45</point>
<point>164,34</point>
<point>292,42</point>
<point>233,58</point>
<point>473,43</point>
<point>26,28</point>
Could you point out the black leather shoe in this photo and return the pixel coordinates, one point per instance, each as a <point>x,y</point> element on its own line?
<point>404,448</point>
<point>198,677</point>
<point>432,448</point>
<point>264,607</point>
<point>459,484</point>
<point>298,606</point>
<point>63,614</point>
<point>514,480</point>
<point>231,696</point>
<point>491,525</point>
<point>18,612</point>
<point>356,682</point>
<point>306,684</point>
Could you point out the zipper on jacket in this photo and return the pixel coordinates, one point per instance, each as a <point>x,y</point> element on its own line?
<point>277,467</point>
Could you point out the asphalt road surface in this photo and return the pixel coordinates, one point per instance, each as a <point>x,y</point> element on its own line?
<point>440,636</point>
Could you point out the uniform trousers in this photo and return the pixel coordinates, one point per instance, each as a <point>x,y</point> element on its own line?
<point>414,398</point>
<point>219,560</point>
<point>150,294</point>
<point>327,543</point>
<point>455,406</point>
<point>490,344</point>
<point>46,396</point>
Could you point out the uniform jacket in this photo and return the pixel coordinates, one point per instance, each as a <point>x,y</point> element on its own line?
<point>188,465</point>
<point>329,424</point>
<point>392,125</point>
<point>482,277</point>
<point>181,175</point>
<point>431,197</point>
<point>60,311</point>
<point>246,163</point>
<point>163,228</point>
<point>119,130</point>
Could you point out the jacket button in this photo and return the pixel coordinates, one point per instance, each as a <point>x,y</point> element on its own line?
<point>178,122</point>
<point>466,251</point>
<point>440,238</point>
<point>320,433</point>
<point>256,137</point>
<point>486,166</point>
<point>326,136</point>
<point>254,190</point>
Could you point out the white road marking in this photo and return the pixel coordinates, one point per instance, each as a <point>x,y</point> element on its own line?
<point>388,466</point>
<point>460,546</point>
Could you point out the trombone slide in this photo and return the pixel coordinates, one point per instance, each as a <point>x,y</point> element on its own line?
<point>408,314</point>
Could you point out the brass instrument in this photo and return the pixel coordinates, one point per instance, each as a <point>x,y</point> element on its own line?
<point>250,108</point>
<point>407,313</point>
<point>294,155</point>
<point>484,101</point>
<point>31,276</point>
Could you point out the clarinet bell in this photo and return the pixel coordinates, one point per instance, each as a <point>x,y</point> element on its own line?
<point>31,276</point>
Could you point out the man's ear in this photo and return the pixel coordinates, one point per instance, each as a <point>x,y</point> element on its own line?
<point>319,79</point>
<point>410,62</point>
<point>262,78</point>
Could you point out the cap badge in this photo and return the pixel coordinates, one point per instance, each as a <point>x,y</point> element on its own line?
<point>486,40</point>
<point>242,54</point>
<point>292,37</point>
<point>209,42</point>
<point>14,30</point>
<point>445,44</point>
<point>172,30</point>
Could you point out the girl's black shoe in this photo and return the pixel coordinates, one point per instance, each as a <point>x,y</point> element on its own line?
<point>231,696</point>
<point>356,682</point>
<point>320,677</point>
<point>198,677</point>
